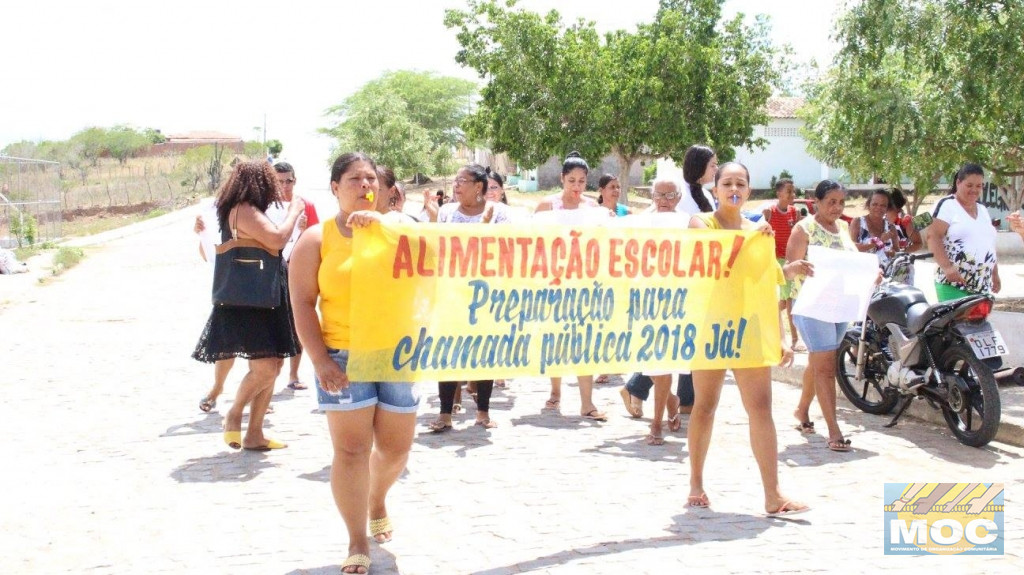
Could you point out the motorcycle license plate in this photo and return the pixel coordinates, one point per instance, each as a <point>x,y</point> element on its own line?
<point>987,344</point>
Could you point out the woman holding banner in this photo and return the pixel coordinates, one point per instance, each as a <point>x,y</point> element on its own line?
<point>371,423</point>
<point>470,207</point>
<point>825,228</point>
<point>574,182</point>
<point>754,383</point>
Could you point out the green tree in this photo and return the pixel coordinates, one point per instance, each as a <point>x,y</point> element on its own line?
<point>686,77</point>
<point>123,142</point>
<point>91,142</point>
<point>408,120</point>
<point>154,136</point>
<point>378,124</point>
<point>202,164</point>
<point>275,147</point>
<point>920,86</point>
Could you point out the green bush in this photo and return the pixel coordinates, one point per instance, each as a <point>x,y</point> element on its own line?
<point>24,228</point>
<point>783,175</point>
<point>650,172</point>
<point>66,258</point>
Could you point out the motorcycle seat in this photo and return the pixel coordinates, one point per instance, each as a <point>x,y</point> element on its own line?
<point>920,314</point>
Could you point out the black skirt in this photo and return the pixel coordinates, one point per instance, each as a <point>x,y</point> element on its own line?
<point>249,333</point>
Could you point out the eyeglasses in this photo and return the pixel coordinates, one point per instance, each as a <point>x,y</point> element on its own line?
<point>460,181</point>
<point>665,195</point>
<point>287,182</point>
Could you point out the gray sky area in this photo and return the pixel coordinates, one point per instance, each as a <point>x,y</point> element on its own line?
<point>225,65</point>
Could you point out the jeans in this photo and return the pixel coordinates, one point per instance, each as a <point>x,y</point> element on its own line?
<point>639,385</point>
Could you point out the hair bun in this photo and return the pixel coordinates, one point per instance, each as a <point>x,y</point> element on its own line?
<point>573,154</point>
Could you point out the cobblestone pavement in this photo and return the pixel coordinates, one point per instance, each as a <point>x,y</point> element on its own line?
<point>111,468</point>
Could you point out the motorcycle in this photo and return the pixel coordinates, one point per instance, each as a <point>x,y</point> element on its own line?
<point>943,353</point>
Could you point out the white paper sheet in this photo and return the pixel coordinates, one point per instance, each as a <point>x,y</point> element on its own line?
<point>210,236</point>
<point>651,220</point>
<point>841,285</point>
<point>278,213</point>
<point>577,217</point>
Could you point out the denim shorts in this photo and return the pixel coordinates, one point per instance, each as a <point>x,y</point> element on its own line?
<point>819,335</point>
<point>393,397</point>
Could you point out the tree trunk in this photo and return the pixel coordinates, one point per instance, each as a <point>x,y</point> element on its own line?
<point>1012,193</point>
<point>624,164</point>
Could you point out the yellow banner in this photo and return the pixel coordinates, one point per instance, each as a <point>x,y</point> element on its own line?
<point>477,301</point>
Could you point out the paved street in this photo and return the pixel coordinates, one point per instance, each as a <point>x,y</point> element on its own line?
<point>109,466</point>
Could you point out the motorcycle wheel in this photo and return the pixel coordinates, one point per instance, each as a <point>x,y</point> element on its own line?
<point>872,395</point>
<point>973,417</point>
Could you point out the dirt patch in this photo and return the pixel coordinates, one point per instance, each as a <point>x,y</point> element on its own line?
<point>1014,304</point>
<point>108,211</point>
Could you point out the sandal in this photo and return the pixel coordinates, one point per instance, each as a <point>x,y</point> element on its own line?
<point>297,385</point>
<point>698,500</point>
<point>207,404</point>
<point>595,415</point>
<point>675,423</point>
<point>486,424</point>
<point>839,444</point>
<point>634,407</point>
<point>601,379</point>
<point>439,426</point>
<point>456,409</point>
<point>805,427</point>
<point>799,347</point>
<point>357,560</point>
<point>652,439</point>
<point>381,527</point>
<point>552,403</point>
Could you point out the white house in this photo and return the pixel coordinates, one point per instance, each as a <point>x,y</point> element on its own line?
<point>786,150</point>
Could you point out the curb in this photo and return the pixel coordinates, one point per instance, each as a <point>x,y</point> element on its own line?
<point>1010,429</point>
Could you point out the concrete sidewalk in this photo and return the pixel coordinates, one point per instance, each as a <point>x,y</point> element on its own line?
<point>111,468</point>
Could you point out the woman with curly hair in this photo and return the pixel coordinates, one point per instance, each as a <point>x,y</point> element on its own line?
<point>264,336</point>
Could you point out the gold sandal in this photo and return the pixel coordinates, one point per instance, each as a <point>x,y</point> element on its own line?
<point>383,527</point>
<point>357,560</point>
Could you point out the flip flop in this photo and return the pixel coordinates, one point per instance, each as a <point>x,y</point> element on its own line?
<point>595,415</point>
<point>207,404</point>
<point>439,426</point>
<point>700,501</point>
<point>799,347</point>
<point>675,423</point>
<point>271,444</point>
<point>297,385</point>
<point>785,511</point>
<point>805,427</point>
<point>552,404</point>
<point>634,411</point>
<point>839,444</point>
<point>601,379</point>
<point>486,424</point>
<point>652,439</point>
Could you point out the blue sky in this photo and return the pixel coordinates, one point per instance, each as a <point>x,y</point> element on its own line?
<point>225,65</point>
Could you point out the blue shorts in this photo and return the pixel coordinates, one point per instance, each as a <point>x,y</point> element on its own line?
<point>393,397</point>
<point>819,335</point>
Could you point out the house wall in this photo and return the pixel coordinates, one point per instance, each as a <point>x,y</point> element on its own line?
<point>786,150</point>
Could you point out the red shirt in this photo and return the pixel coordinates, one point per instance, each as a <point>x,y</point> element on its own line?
<point>310,211</point>
<point>782,223</point>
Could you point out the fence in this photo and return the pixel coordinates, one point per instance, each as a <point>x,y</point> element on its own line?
<point>30,207</point>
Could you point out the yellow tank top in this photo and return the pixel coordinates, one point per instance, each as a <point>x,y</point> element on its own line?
<point>335,278</point>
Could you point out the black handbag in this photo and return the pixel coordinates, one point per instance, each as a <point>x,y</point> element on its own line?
<point>247,274</point>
